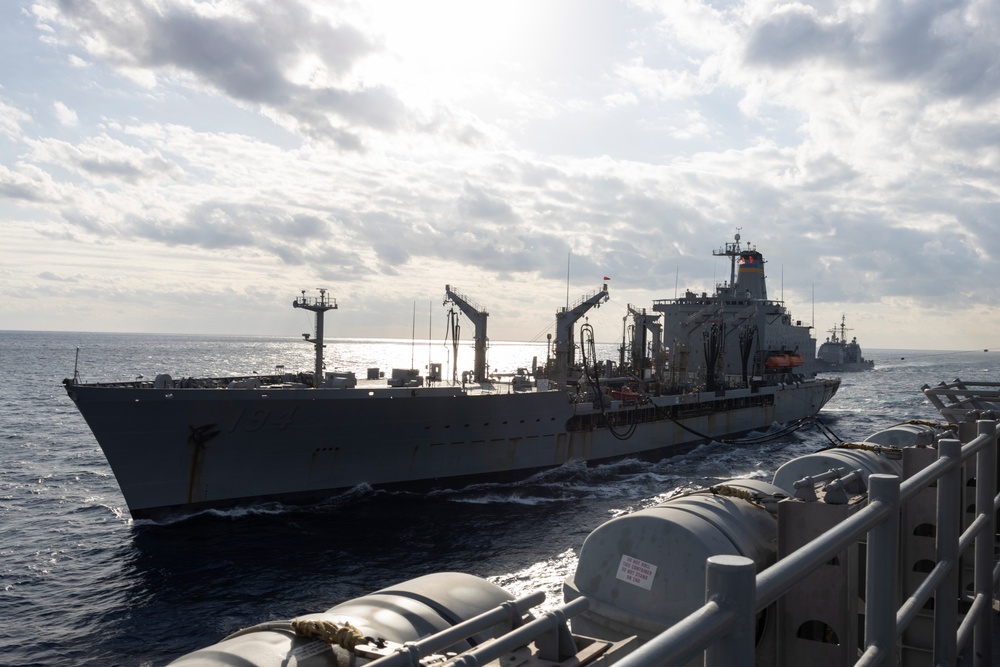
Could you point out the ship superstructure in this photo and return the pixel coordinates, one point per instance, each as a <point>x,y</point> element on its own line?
<point>735,335</point>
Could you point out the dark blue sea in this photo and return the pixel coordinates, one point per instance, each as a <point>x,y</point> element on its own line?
<point>81,583</point>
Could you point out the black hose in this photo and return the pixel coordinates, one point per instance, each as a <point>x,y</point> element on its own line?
<point>749,441</point>
<point>587,336</point>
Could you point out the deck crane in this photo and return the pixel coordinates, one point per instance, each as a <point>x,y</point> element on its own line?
<point>644,324</point>
<point>478,316</point>
<point>565,319</point>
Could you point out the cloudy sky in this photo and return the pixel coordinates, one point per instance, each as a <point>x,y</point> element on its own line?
<point>191,166</point>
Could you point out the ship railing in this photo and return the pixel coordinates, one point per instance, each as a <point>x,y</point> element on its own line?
<point>463,297</point>
<point>955,399</point>
<point>322,301</point>
<point>142,382</point>
<point>586,298</point>
<point>723,629</point>
<point>712,300</point>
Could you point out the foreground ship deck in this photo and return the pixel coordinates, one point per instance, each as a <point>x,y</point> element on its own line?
<point>184,445</point>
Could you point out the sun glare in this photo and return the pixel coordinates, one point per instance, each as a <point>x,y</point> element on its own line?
<point>443,49</point>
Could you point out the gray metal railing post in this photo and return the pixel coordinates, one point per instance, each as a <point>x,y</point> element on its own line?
<point>727,616</point>
<point>731,580</point>
<point>986,488</point>
<point>949,516</point>
<point>882,575</point>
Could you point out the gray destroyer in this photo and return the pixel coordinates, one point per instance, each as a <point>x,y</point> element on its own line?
<point>699,367</point>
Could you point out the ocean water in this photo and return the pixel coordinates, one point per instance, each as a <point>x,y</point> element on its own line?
<point>81,583</point>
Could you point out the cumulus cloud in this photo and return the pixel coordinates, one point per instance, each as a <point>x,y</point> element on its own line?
<point>476,204</point>
<point>64,114</point>
<point>249,52</point>
<point>11,120</point>
<point>104,158</point>
<point>945,46</point>
<point>795,33</point>
<point>28,184</point>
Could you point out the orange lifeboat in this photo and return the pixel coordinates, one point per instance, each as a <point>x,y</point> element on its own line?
<point>624,394</point>
<point>780,361</point>
<point>796,359</point>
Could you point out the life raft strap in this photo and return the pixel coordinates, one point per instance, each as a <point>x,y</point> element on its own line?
<point>343,635</point>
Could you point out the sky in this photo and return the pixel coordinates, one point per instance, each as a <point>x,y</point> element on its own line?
<point>181,166</point>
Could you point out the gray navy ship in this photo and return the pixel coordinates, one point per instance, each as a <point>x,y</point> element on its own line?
<point>837,354</point>
<point>694,368</point>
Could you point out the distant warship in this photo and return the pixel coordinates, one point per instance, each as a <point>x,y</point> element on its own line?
<point>836,354</point>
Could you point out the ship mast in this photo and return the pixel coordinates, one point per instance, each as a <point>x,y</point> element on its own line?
<point>318,305</point>
<point>842,330</point>
<point>732,251</point>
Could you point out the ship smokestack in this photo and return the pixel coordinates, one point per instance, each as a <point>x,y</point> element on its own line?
<point>750,275</point>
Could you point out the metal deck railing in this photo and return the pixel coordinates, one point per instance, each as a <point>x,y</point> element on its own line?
<point>955,399</point>
<point>924,604</point>
<point>723,629</point>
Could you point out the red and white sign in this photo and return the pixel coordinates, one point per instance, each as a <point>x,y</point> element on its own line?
<point>636,572</point>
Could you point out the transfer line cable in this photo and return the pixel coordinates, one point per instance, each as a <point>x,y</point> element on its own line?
<point>749,441</point>
<point>587,341</point>
<point>834,439</point>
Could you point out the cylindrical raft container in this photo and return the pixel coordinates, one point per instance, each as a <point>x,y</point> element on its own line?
<point>905,435</point>
<point>867,461</point>
<point>645,571</point>
<point>401,613</point>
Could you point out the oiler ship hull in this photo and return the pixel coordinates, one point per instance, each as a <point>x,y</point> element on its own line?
<point>177,450</point>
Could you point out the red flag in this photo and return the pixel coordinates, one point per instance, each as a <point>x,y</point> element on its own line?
<point>606,278</point>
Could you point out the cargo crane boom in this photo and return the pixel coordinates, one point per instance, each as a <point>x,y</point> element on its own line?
<point>478,316</point>
<point>565,319</point>
<point>645,323</point>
